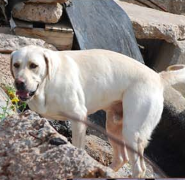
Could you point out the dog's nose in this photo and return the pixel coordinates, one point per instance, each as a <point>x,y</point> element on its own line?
<point>20,84</point>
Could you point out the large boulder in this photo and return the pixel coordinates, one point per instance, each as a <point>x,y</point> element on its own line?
<point>31,149</point>
<point>46,13</point>
<point>153,24</point>
<point>161,39</point>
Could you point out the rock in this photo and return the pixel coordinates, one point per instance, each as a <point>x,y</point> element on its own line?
<point>5,75</point>
<point>148,24</point>
<point>31,149</point>
<point>11,43</point>
<point>172,6</point>
<point>62,127</point>
<point>4,103</point>
<point>101,150</point>
<point>46,13</point>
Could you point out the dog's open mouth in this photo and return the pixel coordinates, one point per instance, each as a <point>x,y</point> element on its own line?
<point>25,95</point>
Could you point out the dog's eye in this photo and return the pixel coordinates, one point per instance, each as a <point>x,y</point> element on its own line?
<point>16,65</point>
<point>33,66</point>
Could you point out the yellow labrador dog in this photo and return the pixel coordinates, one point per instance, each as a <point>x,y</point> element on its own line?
<point>79,83</point>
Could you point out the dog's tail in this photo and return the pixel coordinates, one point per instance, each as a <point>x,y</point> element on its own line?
<point>175,74</point>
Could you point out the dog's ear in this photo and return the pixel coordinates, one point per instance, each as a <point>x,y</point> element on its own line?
<point>11,65</point>
<point>176,67</point>
<point>48,64</point>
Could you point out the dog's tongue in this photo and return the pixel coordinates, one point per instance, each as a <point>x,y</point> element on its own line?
<point>23,94</point>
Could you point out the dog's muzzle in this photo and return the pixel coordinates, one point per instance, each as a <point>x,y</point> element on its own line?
<point>24,94</point>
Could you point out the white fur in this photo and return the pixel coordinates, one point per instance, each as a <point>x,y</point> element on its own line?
<point>79,83</point>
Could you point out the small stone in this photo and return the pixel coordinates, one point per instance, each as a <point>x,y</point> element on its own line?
<point>57,141</point>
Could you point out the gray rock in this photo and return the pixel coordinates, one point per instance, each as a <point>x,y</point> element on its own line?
<point>11,43</point>
<point>31,149</point>
<point>46,13</point>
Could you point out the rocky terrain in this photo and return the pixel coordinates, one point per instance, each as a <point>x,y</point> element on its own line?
<point>33,148</point>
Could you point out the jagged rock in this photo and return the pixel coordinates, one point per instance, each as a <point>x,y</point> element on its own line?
<point>153,24</point>
<point>11,43</point>
<point>46,13</point>
<point>31,149</point>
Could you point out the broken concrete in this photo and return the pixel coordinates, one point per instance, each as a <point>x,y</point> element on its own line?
<point>46,13</point>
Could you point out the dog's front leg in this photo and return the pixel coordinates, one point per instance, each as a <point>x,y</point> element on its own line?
<point>78,134</point>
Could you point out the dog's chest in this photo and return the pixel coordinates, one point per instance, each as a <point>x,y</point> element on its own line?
<point>47,110</point>
<point>38,104</point>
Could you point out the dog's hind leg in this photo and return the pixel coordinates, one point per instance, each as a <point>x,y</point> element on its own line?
<point>114,121</point>
<point>142,109</point>
<point>141,147</point>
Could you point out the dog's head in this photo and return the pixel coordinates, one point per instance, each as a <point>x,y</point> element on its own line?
<point>29,68</point>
